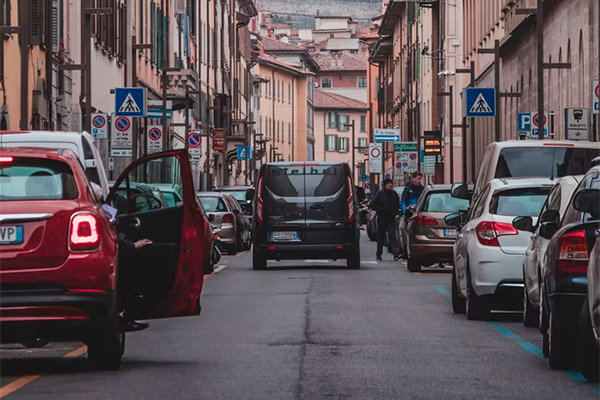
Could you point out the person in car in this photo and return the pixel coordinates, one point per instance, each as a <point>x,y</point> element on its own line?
<point>386,204</point>
<point>412,192</point>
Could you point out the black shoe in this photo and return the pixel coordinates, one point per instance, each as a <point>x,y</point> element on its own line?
<point>133,326</point>
<point>378,258</point>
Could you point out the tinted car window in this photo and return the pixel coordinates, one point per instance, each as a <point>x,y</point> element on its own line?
<point>171,199</point>
<point>517,162</point>
<point>444,202</point>
<point>571,214</point>
<point>519,202</point>
<point>324,180</point>
<point>285,181</point>
<point>239,196</point>
<point>36,179</point>
<point>213,204</point>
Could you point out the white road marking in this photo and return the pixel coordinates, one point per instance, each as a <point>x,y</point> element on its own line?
<point>369,262</point>
<point>220,267</point>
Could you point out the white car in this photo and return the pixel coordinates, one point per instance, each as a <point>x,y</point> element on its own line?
<point>488,253</point>
<point>82,144</point>
<point>557,202</point>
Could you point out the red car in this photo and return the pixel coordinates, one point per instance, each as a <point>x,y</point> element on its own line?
<point>61,272</point>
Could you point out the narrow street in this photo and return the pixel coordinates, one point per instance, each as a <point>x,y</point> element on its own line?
<point>309,330</point>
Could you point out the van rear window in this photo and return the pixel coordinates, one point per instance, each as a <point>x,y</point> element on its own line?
<point>518,162</point>
<point>309,181</point>
<point>36,179</point>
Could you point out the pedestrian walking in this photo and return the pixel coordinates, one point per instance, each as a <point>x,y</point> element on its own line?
<point>387,206</point>
<point>412,192</point>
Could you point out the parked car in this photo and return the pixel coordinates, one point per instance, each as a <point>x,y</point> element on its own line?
<point>147,197</point>
<point>172,194</point>
<point>61,279</point>
<point>564,281</point>
<point>536,248</point>
<point>243,195</point>
<point>305,211</point>
<point>426,237</point>
<point>225,215</point>
<point>589,319</point>
<point>82,144</point>
<point>512,159</point>
<point>488,253</point>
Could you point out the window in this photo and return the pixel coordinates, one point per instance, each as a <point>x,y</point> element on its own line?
<point>282,91</point>
<point>330,142</point>
<point>213,204</point>
<point>289,133</point>
<point>343,145</point>
<point>362,145</point>
<point>519,202</point>
<point>343,121</point>
<point>332,120</point>
<point>5,12</point>
<point>290,93</point>
<point>444,202</point>
<point>362,82</point>
<point>326,82</point>
<point>363,123</point>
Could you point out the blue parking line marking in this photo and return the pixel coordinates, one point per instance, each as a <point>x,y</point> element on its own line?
<point>442,290</point>
<point>533,349</point>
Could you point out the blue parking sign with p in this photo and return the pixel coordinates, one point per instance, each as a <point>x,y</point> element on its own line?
<point>524,122</point>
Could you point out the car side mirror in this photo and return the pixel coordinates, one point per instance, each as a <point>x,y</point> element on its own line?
<point>97,191</point>
<point>236,212</point>
<point>523,224</point>
<point>550,216</point>
<point>548,229</point>
<point>453,219</point>
<point>250,194</point>
<point>360,194</point>
<point>409,213</point>
<point>588,201</point>
<point>211,217</point>
<point>461,191</point>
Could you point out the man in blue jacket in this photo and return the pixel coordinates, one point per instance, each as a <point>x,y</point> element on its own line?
<point>412,192</point>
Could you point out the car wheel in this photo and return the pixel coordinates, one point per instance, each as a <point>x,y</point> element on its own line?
<point>543,323</point>
<point>232,248</point>
<point>35,343</point>
<point>106,343</point>
<point>531,318</point>
<point>590,353</point>
<point>458,303</point>
<point>259,261</point>
<point>476,307</point>
<point>353,260</point>
<point>413,264</point>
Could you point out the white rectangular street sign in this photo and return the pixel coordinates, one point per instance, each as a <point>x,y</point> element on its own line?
<point>121,137</point>
<point>100,125</point>
<point>596,97</point>
<point>375,157</point>
<point>577,123</point>
<point>154,139</point>
<point>386,135</point>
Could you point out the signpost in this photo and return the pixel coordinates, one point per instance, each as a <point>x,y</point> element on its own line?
<point>596,97</point>
<point>244,152</point>
<point>100,126</point>
<point>130,102</point>
<point>406,146</point>
<point>432,143</point>
<point>375,157</point>
<point>577,123</point>
<point>218,140</point>
<point>535,123</point>
<point>386,135</point>
<point>524,124</point>
<point>121,139</point>
<point>155,109</point>
<point>154,139</point>
<point>480,102</point>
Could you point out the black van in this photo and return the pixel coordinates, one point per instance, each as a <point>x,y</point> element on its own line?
<point>305,211</point>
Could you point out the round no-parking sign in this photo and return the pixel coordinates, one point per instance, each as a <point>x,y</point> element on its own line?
<point>155,143</point>
<point>194,141</point>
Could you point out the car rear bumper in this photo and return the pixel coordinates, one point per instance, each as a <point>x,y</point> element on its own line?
<point>496,268</point>
<point>299,251</point>
<point>55,314</point>
<point>432,252</point>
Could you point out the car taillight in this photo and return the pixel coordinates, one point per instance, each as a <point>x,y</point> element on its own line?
<point>83,233</point>
<point>425,220</point>
<point>227,218</point>
<point>259,203</point>
<point>350,201</point>
<point>488,232</point>
<point>573,255</point>
<point>6,159</point>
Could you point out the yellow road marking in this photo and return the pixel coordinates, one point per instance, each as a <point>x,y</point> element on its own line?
<point>25,380</point>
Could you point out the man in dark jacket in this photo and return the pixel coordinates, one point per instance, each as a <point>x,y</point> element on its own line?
<point>387,205</point>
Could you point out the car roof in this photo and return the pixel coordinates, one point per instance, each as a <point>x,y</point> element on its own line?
<point>210,194</point>
<point>438,188</point>
<point>509,183</point>
<point>39,152</point>
<point>231,188</point>
<point>305,163</point>
<point>545,142</point>
<point>54,136</point>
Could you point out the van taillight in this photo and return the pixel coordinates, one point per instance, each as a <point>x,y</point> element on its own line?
<point>259,202</point>
<point>350,201</point>
<point>227,219</point>
<point>573,255</point>
<point>83,233</point>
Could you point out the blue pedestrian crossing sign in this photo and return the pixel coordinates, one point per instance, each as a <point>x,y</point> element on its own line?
<point>130,102</point>
<point>244,152</point>
<point>480,102</point>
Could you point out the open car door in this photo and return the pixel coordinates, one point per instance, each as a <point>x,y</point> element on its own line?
<point>163,279</point>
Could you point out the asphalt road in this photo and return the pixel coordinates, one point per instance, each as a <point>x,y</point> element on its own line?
<point>309,330</point>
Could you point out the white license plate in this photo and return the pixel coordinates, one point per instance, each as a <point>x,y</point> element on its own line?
<point>450,232</point>
<point>11,234</point>
<point>285,235</point>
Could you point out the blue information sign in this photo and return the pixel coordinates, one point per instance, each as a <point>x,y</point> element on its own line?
<point>480,102</point>
<point>130,102</point>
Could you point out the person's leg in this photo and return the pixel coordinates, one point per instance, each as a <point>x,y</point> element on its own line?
<point>391,232</point>
<point>380,236</point>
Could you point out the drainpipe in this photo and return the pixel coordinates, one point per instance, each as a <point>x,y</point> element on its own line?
<point>273,107</point>
<point>24,47</point>
<point>325,136</point>
<point>293,119</point>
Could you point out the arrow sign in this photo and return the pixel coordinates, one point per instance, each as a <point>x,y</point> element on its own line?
<point>386,135</point>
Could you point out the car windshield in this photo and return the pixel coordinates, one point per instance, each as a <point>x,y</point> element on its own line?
<point>519,202</point>
<point>170,198</point>
<point>517,162</point>
<point>36,179</point>
<point>213,204</point>
<point>444,202</point>
<point>239,195</point>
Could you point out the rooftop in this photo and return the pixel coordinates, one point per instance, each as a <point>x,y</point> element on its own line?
<point>328,100</point>
<point>341,62</point>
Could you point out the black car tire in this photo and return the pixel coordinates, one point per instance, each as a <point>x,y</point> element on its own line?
<point>560,342</point>
<point>232,249</point>
<point>531,315</point>
<point>476,307</point>
<point>259,261</point>
<point>106,343</point>
<point>589,353</point>
<point>458,303</point>
<point>353,260</point>
<point>35,343</point>
<point>413,264</point>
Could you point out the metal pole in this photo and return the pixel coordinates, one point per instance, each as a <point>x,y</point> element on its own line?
<point>540,67</point>
<point>598,76</point>
<point>497,86</point>
<point>451,134</point>
<point>85,41</point>
<point>134,84</point>
<point>24,49</point>
<point>353,156</point>
<point>464,149</point>
<point>473,172</point>
<point>164,108</point>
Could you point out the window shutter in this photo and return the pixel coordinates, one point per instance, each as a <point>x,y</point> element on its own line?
<point>37,22</point>
<point>56,26</point>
